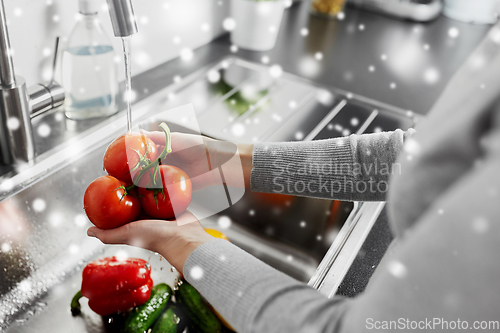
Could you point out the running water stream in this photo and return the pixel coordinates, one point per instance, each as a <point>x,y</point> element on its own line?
<point>128,81</point>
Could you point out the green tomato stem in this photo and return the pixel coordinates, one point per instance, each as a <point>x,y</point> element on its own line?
<point>166,150</point>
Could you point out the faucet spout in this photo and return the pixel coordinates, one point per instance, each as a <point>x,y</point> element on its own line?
<point>7,75</point>
<point>122,17</point>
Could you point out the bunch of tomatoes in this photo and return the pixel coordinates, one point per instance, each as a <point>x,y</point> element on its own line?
<point>138,185</point>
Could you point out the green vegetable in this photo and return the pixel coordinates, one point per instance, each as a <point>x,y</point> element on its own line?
<point>143,317</point>
<point>202,319</point>
<point>169,322</point>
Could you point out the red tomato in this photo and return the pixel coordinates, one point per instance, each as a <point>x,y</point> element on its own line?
<point>106,206</point>
<point>175,197</point>
<point>122,155</point>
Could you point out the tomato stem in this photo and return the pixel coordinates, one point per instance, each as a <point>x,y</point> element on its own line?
<point>154,164</point>
<point>168,142</point>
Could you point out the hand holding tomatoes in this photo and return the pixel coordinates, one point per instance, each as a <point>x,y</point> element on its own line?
<point>164,191</point>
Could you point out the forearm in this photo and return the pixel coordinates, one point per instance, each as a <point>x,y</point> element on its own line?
<point>354,168</point>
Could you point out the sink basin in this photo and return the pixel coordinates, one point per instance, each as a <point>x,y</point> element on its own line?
<point>42,223</point>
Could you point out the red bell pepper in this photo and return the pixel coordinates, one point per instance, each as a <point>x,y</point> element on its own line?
<point>113,285</point>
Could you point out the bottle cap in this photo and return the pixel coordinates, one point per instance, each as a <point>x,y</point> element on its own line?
<point>88,6</point>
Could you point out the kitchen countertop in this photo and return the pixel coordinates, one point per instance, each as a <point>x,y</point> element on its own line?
<point>419,58</point>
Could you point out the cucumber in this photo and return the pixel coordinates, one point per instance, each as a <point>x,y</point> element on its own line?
<point>143,317</point>
<point>169,322</point>
<point>201,318</point>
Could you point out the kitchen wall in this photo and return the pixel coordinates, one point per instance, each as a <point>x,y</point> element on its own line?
<point>166,28</point>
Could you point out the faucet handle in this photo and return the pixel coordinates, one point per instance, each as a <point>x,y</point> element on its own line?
<point>46,96</point>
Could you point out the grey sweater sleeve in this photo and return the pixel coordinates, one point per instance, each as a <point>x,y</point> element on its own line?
<point>254,297</point>
<point>354,168</point>
<point>442,271</point>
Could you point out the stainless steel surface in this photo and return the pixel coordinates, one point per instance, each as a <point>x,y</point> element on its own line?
<point>122,17</point>
<point>416,10</point>
<point>44,97</point>
<point>16,137</point>
<point>339,258</point>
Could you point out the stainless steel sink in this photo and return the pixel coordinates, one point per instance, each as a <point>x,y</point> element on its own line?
<point>42,223</point>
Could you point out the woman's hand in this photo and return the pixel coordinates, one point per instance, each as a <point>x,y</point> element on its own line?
<point>174,240</point>
<point>202,158</point>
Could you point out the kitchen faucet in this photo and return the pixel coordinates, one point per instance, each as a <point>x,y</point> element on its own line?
<point>19,104</point>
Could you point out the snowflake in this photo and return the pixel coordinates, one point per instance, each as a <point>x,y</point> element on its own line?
<point>39,205</point>
<point>213,76</point>
<point>397,269</point>
<point>205,27</point>
<point>431,76</point>
<point>224,222</point>
<point>13,123</point>
<point>275,71</point>
<point>80,220</point>
<point>304,32</point>
<point>412,147</point>
<point>6,247</point>
<point>265,59</point>
<point>371,68</point>
<point>229,24</point>
<point>187,54</point>
<point>196,272</point>
<point>318,56</point>
<point>453,32</point>
<point>480,225</point>
<point>43,130</point>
